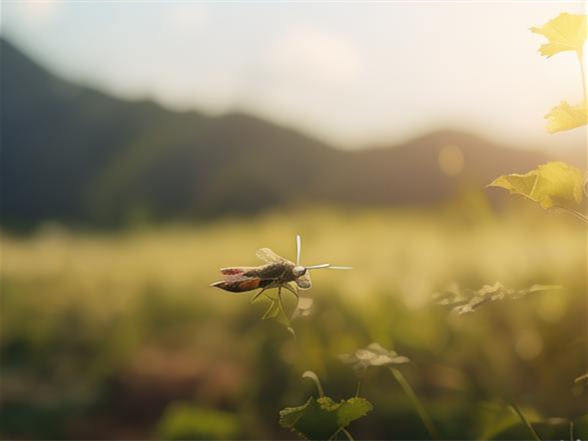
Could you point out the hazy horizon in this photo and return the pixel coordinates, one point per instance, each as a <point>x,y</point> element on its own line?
<point>336,72</point>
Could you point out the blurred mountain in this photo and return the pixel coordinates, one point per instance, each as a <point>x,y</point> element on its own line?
<point>71,153</point>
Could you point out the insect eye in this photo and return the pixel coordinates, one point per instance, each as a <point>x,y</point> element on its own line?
<point>299,271</point>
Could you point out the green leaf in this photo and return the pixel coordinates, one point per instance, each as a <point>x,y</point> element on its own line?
<point>321,418</point>
<point>555,184</point>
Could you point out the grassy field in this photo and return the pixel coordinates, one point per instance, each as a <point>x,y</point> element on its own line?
<point>118,335</point>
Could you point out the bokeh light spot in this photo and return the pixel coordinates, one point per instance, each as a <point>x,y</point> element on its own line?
<point>450,160</point>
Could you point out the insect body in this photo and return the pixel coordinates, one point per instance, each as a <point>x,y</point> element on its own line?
<point>276,273</point>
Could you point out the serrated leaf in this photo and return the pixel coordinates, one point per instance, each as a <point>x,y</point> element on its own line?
<point>468,300</point>
<point>550,185</point>
<point>566,117</point>
<point>566,32</point>
<point>450,296</point>
<point>364,354</point>
<point>320,419</point>
<point>353,409</point>
<point>373,355</point>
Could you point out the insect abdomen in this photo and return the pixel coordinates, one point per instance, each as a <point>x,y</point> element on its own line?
<point>238,285</point>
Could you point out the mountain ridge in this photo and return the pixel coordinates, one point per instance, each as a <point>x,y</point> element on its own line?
<point>74,154</point>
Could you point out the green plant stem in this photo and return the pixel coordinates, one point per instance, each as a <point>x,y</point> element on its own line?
<point>346,432</point>
<point>314,377</point>
<point>571,431</point>
<point>525,421</point>
<point>424,416</point>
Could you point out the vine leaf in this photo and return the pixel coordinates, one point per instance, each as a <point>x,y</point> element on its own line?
<point>566,117</point>
<point>550,185</point>
<point>566,32</point>
<point>321,418</point>
<point>468,301</point>
<point>373,355</point>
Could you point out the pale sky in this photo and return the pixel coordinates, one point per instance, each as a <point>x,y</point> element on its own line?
<point>352,74</point>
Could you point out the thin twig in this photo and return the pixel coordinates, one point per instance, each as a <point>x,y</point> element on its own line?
<point>424,416</point>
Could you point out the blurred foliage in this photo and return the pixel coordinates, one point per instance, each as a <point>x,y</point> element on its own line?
<point>184,421</point>
<point>103,332</point>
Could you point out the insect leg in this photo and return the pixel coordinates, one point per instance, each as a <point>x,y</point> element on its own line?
<point>280,301</point>
<point>256,295</point>
<point>292,289</point>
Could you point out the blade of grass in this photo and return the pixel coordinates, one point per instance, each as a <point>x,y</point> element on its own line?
<point>571,431</point>
<point>423,415</point>
<point>525,421</point>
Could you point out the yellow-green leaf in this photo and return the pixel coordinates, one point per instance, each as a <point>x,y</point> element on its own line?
<point>555,184</point>
<point>566,32</point>
<point>566,117</point>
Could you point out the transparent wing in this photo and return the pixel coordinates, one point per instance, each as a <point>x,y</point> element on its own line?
<point>269,256</point>
<point>303,281</point>
<point>236,270</point>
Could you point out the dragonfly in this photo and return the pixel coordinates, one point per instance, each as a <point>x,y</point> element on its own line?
<point>277,272</point>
